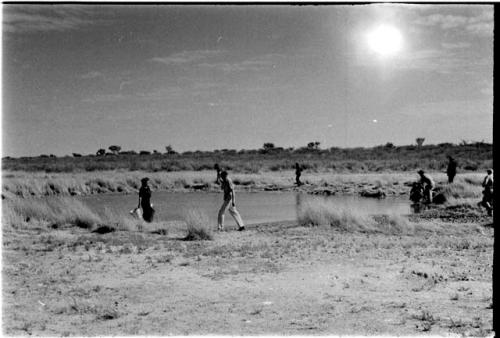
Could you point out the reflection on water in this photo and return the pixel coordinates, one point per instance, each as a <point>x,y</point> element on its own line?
<point>254,208</point>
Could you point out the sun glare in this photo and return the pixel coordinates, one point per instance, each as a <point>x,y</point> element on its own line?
<point>385,40</point>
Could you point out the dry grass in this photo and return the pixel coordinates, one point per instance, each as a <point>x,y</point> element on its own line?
<point>23,184</point>
<point>62,211</point>
<point>197,226</point>
<point>58,211</point>
<point>316,212</point>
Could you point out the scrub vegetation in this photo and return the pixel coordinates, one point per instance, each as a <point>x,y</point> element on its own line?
<point>471,156</point>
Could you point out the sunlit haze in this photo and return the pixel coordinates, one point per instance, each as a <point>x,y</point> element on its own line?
<point>385,40</point>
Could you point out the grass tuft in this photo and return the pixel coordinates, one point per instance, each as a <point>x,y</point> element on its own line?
<point>316,212</point>
<point>197,226</point>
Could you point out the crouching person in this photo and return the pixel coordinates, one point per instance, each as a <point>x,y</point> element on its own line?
<point>428,185</point>
<point>229,203</point>
<point>487,200</point>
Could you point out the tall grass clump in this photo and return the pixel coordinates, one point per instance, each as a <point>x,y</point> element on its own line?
<point>315,212</point>
<point>197,226</point>
<point>461,192</point>
<point>56,211</point>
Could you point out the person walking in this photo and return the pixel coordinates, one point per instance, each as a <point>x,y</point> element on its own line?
<point>298,172</point>
<point>145,200</point>
<point>451,170</point>
<point>428,184</point>
<point>229,203</point>
<point>487,200</point>
<point>218,169</point>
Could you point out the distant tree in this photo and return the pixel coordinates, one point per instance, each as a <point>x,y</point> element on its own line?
<point>101,152</point>
<point>77,155</point>
<point>268,146</point>
<point>52,155</point>
<point>44,156</point>
<point>115,149</point>
<point>170,150</point>
<point>420,141</point>
<point>389,145</point>
<point>313,145</point>
<point>155,152</point>
<point>144,152</point>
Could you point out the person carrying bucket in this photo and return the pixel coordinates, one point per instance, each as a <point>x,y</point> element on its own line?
<point>145,200</point>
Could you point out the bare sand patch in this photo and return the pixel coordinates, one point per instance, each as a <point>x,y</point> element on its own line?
<point>271,279</point>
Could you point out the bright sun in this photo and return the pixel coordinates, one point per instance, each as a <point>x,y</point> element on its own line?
<point>385,40</point>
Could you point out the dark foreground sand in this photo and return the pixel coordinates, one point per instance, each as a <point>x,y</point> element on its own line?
<point>272,279</point>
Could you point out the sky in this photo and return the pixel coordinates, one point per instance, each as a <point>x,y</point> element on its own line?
<point>76,78</point>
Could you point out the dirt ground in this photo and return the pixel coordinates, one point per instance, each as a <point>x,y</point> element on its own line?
<point>278,278</point>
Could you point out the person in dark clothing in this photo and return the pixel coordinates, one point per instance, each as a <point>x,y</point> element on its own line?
<point>298,172</point>
<point>145,200</point>
<point>487,200</point>
<point>218,169</point>
<point>451,171</point>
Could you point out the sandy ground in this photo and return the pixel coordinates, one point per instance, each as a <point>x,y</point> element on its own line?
<point>271,279</point>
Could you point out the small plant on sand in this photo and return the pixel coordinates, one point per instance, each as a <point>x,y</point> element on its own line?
<point>197,226</point>
<point>121,222</point>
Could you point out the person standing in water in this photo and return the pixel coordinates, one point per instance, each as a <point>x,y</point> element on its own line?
<point>229,203</point>
<point>145,200</point>
<point>298,172</point>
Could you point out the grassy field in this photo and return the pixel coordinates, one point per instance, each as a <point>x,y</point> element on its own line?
<point>337,274</point>
<point>26,184</point>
